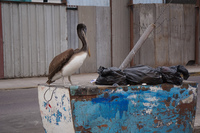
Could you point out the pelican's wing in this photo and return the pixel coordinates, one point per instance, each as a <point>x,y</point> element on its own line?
<point>58,62</point>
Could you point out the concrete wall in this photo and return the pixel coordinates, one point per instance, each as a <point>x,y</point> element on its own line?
<point>172,42</point>
<point>120,31</point>
<point>34,33</point>
<point>98,35</point>
<point>32,36</point>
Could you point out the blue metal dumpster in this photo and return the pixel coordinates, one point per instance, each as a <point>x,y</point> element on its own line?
<point>123,109</point>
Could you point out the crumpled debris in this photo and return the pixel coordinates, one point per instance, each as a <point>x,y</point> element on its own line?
<point>110,76</point>
<point>142,74</point>
<point>172,74</point>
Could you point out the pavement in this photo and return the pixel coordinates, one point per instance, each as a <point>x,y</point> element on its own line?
<point>25,83</point>
<point>79,79</point>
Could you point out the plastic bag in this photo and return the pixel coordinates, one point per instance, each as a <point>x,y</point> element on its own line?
<point>110,76</point>
<point>172,74</point>
<point>143,74</point>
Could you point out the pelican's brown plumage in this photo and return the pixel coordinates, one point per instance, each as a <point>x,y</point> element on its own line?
<point>70,60</point>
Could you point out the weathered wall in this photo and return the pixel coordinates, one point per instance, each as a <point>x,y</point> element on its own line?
<point>98,36</point>
<point>35,33</point>
<point>32,35</point>
<point>199,38</point>
<point>120,31</point>
<point>1,48</point>
<point>172,42</point>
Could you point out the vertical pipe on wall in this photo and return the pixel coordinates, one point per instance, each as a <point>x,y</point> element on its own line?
<point>197,32</point>
<point>111,33</point>
<point>131,28</point>
<point>1,47</point>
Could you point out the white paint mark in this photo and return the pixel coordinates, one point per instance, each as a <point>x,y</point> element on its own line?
<point>120,91</point>
<point>148,111</point>
<point>147,104</point>
<point>193,89</point>
<point>151,99</point>
<point>154,88</point>
<point>132,96</point>
<point>169,123</point>
<point>133,102</point>
<point>189,99</point>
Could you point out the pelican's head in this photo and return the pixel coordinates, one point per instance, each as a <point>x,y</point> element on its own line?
<point>82,28</point>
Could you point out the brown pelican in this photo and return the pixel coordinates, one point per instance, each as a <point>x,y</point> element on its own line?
<point>68,62</point>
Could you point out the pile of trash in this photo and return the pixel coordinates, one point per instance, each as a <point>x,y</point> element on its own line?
<point>142,74</point>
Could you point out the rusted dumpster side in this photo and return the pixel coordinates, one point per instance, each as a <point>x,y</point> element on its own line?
<point>100,109</point>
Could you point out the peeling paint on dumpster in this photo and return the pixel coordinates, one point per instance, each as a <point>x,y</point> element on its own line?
<point>55,109</point>
<point>134,109</point>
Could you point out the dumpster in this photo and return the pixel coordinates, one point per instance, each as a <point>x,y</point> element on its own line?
<point>118,109</point>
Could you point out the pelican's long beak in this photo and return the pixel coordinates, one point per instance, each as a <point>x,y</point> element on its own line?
<point>89,52</point>
<point>85,30</point>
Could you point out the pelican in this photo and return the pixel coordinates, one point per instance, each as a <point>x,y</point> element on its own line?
<point>68,62</point>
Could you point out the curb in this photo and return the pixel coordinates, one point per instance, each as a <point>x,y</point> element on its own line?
<point>194,74</point>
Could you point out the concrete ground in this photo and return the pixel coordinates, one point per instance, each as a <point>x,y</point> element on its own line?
<point>83,79</point>
<point>25,83</point>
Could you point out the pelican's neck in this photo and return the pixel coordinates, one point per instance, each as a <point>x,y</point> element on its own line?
<point>81,35</point>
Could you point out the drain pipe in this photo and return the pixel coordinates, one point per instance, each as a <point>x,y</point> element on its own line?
<point>197,32</point>
<point>131,28</point>
<point>1,47</point>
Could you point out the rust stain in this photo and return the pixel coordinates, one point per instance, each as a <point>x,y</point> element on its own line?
<point>102,126</point>
<point>166,87</point>
<point>140,126</point>
<point>190,92</point>
<point>166,103</point>
<point>181,92</point>
<point>125,88</point>
<point>144,89</point>
<point>169,130</point>
<point>175,96</point>
<point>80,128</point>
<point>86,98</point>
<point>124,128</point>
<point>186,107</point>
<point>173,103</point>
<point>156,121</point>
<point>184,86</point>
<point>83,130</point>
<point>183,110</point>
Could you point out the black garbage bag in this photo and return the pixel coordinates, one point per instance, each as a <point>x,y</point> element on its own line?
<point>110,76</point>
<point>172,74</point>
<point>143,74</point>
